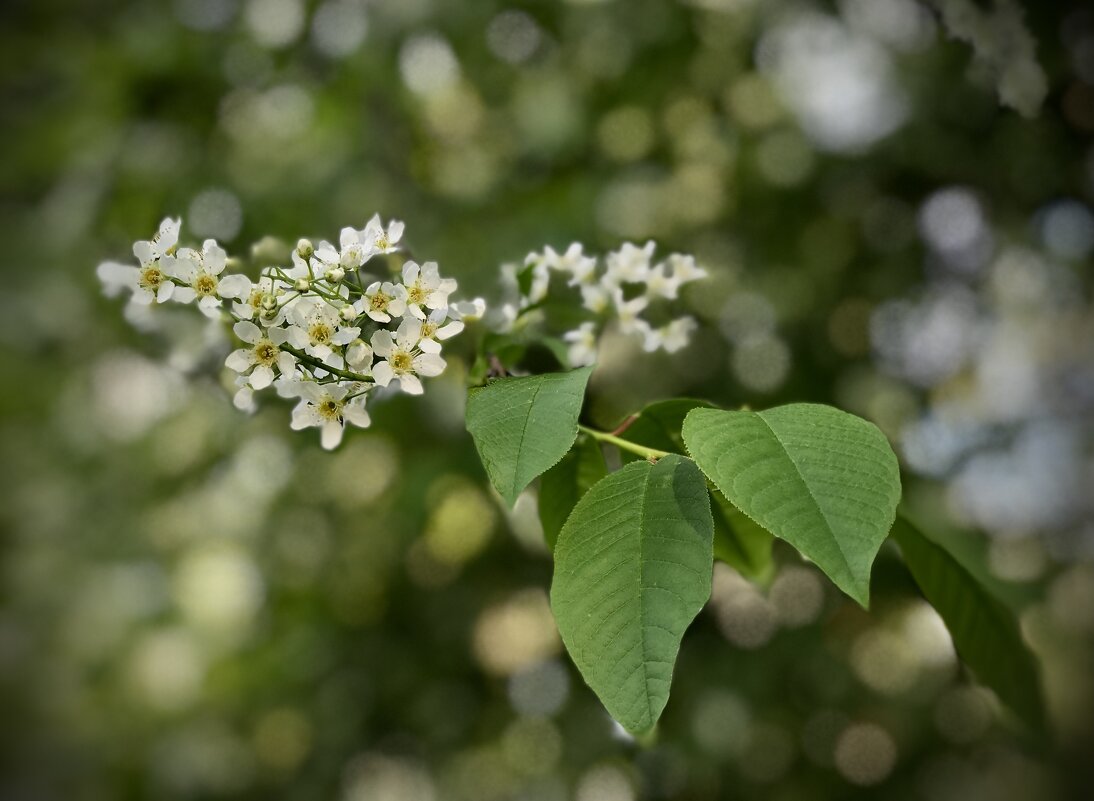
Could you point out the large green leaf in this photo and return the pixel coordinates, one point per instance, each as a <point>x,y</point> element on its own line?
<point>825,481</point>
<point>632,570</point>
<point>985,633</point>
<point>658,426</point>
<point>523,426</point>
<point>562,486</point>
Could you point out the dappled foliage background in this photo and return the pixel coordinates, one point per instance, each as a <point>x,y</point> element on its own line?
<point>200,604</point>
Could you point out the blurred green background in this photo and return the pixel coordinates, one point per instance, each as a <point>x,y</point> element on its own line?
<point>197,604</point>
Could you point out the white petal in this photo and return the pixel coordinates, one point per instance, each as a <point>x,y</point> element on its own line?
<point>358,353</point>
<point>240,360</point>
<point>383,373</point>
<point>382,343</point>
<point>409,383</point>
<point>234,286</point>
<point>184,294</point>
<point>311,391</point>
<point>210,307</point>
<point>166,290</point>
<point>410,331</point>
<point>244,399</point>
<point>429,364</point>
<point>144,252</point>
<point>410,273</point>
<point>298,337</point>
<point>261,377</point>
<point>168,235</point>
<point>286,363</point>
<point>247,331</point>
<point>449,331</point>
<point>213,256</point>
<point>378,316</point>
<point>332,435</point>
<point>305,416</point>
<point>429,346</point>
<point>357,414</point>
<point>344,336</point>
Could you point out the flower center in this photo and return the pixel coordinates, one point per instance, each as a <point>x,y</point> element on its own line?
<point>151,277</point>
<point>379,301</point>
<point>205,285</point>
<point>382,242</point>
<point>320,333</point>
<point>401,361</point>
<point>266,352</point>
<point>416,293</point>
<point>428,330</point>
<point>330,409</point>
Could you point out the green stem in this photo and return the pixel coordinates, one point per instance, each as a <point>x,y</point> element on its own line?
<point>622,444</point>
<point>314,362</point>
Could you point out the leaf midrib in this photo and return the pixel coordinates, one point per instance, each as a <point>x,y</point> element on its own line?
<point>641,585</point>
<point>523,431</point>
<point>812,497</point>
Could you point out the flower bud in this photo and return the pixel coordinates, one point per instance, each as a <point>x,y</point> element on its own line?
<point>348,313</point>
<point>302,285</point>
<point>269,302</point>
<point>305,248</point>
<point>335,274</point>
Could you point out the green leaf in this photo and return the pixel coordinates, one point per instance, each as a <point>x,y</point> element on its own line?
<point>632,570</point>
<point>562,486</point>
<point>985,632</point>
<point>658,426</point>
<point>740,542</point>
<point>523,426</point>
<point>825,481</point>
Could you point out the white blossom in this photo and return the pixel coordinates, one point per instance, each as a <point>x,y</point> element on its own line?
<point>627,311</point>
<point>200,272</point>
<point>630,263</point>
<point>425,287</point>
<point>382,301</point>
<point>261,301</point>
<point>676,335</point>
<point>359,356</point>
<point>328,407</point>
<point>438,327</point>
<point>315,328</point>
<point>308,306</point>
<point>258,361</point>
<point>406,356</point>
<point>160,245</point>
<point>467,310</point>
<point>582,341</point>
<point>685,269</point>
<point>379,239</point>
<point>582,268</point>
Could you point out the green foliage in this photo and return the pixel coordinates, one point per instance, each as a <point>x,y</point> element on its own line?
<point>658,425</point>
<point>825,481</point>
<point>984,631</point>
<point>524,426</point>
<point>632,570</point>
<point>739,541</point>
<point>561,487</point>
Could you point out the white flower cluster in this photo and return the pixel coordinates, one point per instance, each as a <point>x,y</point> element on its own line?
<point>624,290</point>
<point>317,330</point>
